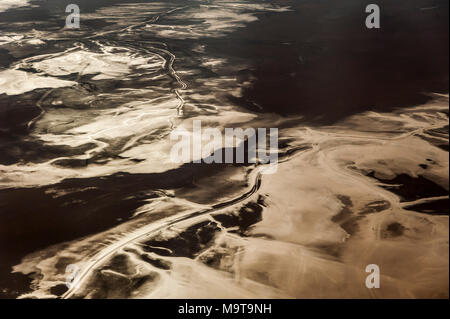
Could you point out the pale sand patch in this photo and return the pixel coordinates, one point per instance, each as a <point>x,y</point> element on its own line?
<point>15,82</point>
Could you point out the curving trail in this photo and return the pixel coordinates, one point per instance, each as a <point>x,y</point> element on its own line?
<point>149,230</point>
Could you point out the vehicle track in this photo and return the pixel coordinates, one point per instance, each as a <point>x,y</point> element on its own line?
<point>149,230</point>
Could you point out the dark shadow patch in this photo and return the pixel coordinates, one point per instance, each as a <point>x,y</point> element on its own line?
<point>13,284</point>
<point>346,217</point>
<point>437,207</point>
<point>58,290</point>
<point>188,243</point>
<point>17,149</point>
<point>394,230</point>
<point>248,215</point>
<point>112,286</point>
<point>320,61</point>
<point>411,188</point>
